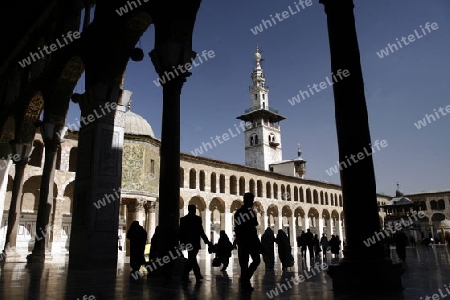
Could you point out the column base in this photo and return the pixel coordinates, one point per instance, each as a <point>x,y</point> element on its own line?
<point>10,253</point>
<point>363,277</point>
<point>39,257</point>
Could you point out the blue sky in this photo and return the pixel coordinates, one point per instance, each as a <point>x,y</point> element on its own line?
<point>400,88</point>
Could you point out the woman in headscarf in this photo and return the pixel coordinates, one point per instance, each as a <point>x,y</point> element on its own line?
<point>267,241</point>
<point>223,250</point>
<point>284,250</point>
<point>138,237</point>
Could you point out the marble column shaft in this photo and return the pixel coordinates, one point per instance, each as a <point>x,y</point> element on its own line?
<point>14,209</point>
<point>4,171</point>
<point>45,199</point>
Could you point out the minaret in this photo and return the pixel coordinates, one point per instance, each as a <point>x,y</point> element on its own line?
<point>300,164</point>
<point>263,138</point>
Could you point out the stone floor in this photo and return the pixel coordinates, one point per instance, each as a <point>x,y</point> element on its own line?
<point>427,272</point>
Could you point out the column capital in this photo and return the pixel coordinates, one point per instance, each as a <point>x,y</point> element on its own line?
<point>60,199</point>
<point>171,58</point>
<point>151,206</point>
<point>140,205</point>
<point>332,6</point>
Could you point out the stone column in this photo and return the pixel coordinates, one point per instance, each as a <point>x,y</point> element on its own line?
<point>207,223</point>
<point>140,212</point>
<point>96,203</point>
<point>5,165</point>
<point>166,57</point>
<point>353,135</point>
<point>56,225</point>
<point>279,221</point>
<point>264,221</point>
<point>320,230</point>
<point>131,216</point>
<point>151,219</point>
<point>292,230</point>
<point>305,223</point>
<point>45,207</point>
<point>14,209</point>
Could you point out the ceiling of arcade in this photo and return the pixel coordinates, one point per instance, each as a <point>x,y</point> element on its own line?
<point>102,51</point>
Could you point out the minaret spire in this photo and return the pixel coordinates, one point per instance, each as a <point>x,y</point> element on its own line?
<point>263,138</point>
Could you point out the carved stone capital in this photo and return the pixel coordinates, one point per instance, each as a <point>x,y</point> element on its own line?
<point>151,207</point>
<point>140,205</point>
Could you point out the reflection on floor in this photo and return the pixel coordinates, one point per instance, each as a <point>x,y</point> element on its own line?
<point>427,271</point>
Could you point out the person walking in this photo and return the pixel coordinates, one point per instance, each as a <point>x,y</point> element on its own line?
<point>316,244</point>
<point>138,238</point>
<point>268,241</point>
<point>223,250</point>
<point>303,244</point>
<point>191,230</point>
<point>284,250</point>
<point>247,240</point>
<point>400,240</point>
<point>334,245</point>
<point>324,244</point>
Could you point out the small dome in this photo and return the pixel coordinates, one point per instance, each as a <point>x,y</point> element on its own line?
<point>137,125</point>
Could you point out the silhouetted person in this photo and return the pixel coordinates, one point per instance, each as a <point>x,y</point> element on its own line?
<point>316,244</point>
<point>400,240</point>
<point>138,238</point>
<point>245,222</point>
<point>303,244</point>
<point>154,244</point>
<point>309,239</point>
<point>387,246</point>
<point>324,244</point>
<point>334,245</point>
<point>223,250</point>
<point>191,230</point>
<point>268,241</point>
<point>284,250</point>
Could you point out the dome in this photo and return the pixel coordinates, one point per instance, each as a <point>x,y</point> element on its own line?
<point>137,125</point>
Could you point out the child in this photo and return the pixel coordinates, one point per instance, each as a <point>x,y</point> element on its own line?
<point>223,249</point>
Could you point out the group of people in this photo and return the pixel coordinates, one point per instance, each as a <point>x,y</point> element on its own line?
<point>268,240</point>
<point>309,241</point>
<point>246,241</point>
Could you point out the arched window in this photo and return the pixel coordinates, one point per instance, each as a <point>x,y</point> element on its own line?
<point>256,140</point>
<point>202,180</point>
<point>222,183</point>
<point>192,179</point>
<point>271,138</point>
<point>251,140</point>
<point>268,190</point>
<point>233,185</point>
<point>241,186</point>
<point>441,204</point>
<point>73,156</point>
<point>259,188</point>
<point>433,204</point>
<point>181,178</point>
<point>252,186</point>
<point>213,182</point>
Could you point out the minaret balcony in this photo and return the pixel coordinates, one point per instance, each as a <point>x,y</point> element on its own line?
<point>254,108</point>
<point>252,88</point>
<point>274,144</point>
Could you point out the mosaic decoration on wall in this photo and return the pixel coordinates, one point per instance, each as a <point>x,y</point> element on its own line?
<point>136,169</point>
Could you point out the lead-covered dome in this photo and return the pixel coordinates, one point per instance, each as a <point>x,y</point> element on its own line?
<point>137,125</point>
